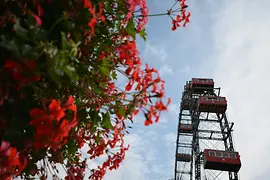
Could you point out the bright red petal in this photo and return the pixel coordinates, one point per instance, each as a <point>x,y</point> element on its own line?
<point>147,122</point>
<point>70,100</point>
<point>59,115</point>
<point>11,64</point>
<point>4,146</point>
<point>55,105</point>
<point>37,112</point>
<point>135,112</point>
<point>38,20</point>
<point>72,108</point>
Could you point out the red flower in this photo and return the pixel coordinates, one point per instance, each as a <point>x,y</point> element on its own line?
<point>19,71</point>
<point>187,19</point>
<point>56,110</point>
<point>181,18</point>
<point>175,24</point>
<point>11,163</point>
<point>48,133</point>
<point>92,10</point>
<point>70,104</point>
<point>37,18</point>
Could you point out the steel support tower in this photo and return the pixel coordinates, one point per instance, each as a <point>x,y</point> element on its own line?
<point>200,129</point>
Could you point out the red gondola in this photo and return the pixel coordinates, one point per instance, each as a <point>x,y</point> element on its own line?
<point>202,84</point>
<point>222,160</point>
<point>185,106</point>
<point>183,157</point>
<point>212,104</point>
<point>185,128</point>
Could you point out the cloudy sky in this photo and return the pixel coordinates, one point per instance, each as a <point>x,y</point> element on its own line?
<point>228,40</point>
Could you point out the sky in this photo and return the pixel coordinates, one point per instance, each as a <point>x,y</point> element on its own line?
<point>228,41</point>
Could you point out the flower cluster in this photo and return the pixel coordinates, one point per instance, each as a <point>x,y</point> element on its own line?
<point>183,17</point>
<point>52,127</point>
<point>58,89</point>
<point>11,163</point>
<point>143,19</point>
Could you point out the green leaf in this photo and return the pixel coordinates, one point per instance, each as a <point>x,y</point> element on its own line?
<point>70,71</point>
<point>143,34</point>
<point>104,67</point>
<point>78,103</point>
<point>68,25</point>
<point>11,45</point>
<point>20,31</point>
<point>106,123</point>
<point>30,52</point>
<point>51,50</point>
<point>72,147</point>
<point>98,139</point>
<point>74,50</point>
<point>55,77</point>
<point>40,34</point>
<point>82,113</point>
<point>26,49</point>
<point>105,70</point>
<point>114,75</point>
<point>94,117</point>
<point>31,21</point>
<point>130,109</point>
<point>96,90</point>
<point>130,29</point>
<point>121,111</point>
<point>118,23</point>
<point>64,42</point>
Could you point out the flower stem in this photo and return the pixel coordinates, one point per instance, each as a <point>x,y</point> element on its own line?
<point>160,14</point>
<point>152,15</point>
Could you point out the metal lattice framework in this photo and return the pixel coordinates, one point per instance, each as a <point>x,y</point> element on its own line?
<point>210,130</point>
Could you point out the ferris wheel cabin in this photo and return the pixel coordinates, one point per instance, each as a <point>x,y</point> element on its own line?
<point>212,104</point>
<point>185,128</point>
<point>222,160</point>
<point>200,85</point>
<point>185,105</point>
<point>183,157</point>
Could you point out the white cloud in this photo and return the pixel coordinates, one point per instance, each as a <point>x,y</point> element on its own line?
<point>155,52</point>
<point>140,155</point>
<point>134,166</point>
<point>150,157</point>
<point>173,109</point>
<point>242,62</point>
<point>170,139</point>
<point>165,69</point>
<point>163,119</point>
<point>168,70</point>
<point>185,69</point>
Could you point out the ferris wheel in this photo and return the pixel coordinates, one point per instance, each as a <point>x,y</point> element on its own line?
<point>204,143</point>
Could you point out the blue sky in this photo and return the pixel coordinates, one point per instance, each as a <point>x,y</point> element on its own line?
<point>228,41</point>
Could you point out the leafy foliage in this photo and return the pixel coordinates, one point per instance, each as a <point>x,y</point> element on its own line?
<point>59,64</point>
